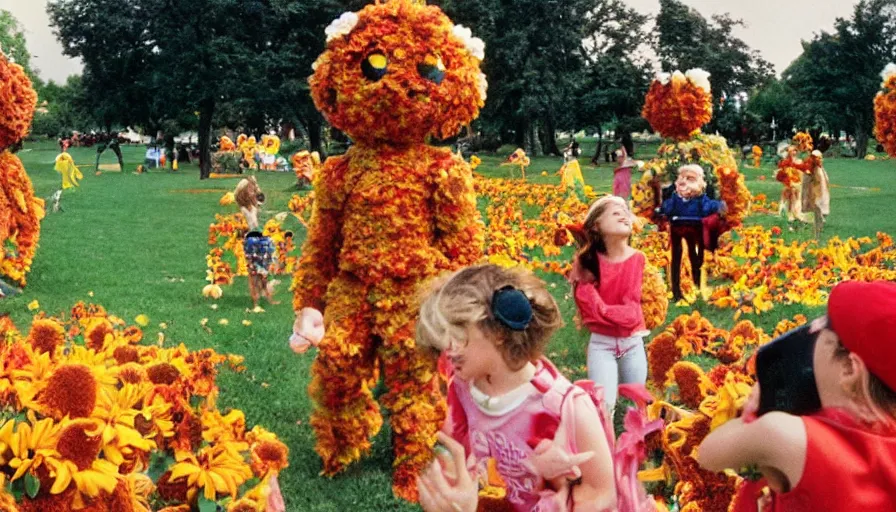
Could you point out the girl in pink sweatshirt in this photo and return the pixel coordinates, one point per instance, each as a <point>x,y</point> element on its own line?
<point>607,276</point>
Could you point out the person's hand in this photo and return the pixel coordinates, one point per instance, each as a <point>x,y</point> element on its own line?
<point>751,406</point>
<point>437,493</point>
<point>307,330</point>
<point>551,462</point>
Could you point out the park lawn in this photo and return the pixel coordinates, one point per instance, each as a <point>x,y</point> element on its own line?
<point>137,243</point>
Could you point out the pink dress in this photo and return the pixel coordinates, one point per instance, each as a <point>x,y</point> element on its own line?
<point>509,437</point>
<point>622,181</point>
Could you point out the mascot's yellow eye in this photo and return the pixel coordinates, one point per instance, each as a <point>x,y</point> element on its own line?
<point>375,66</point>
<point>432,68</point>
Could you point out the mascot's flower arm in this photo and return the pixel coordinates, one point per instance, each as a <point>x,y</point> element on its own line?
<point>459,229</point>
<point>320,253</point>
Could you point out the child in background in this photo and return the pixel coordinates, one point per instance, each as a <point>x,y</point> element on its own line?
<point>607,278</point>
<point>493,324</point>
<point>622,175</point>
<point>259,249</point>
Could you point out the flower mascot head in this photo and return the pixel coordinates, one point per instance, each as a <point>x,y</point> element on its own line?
<point>389,214</point>
<point>20,210</point>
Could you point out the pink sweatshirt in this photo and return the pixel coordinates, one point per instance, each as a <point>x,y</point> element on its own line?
<point>613,308</point>
<point>509,437</point>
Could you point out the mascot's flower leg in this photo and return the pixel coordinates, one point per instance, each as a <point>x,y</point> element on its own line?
<point>345,415</point>
<point>416,406</point>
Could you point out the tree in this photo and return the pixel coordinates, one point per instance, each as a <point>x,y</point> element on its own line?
<point>534,63</point>
<point>120,67</point>
<point>775,101</point>
<point>67,109</point>
<point>12,42</point>
<point>838,74</point>
<point>148,61</point>
<point>210,49</point>
<point>687,40</point>
<point>299,39</point>
<point>617,72</point>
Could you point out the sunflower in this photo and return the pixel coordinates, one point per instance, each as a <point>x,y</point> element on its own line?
<point>46,335</point>
<point>98,333</point>
<point>217,428</point>
<point>70,391</point>
<point>116,409</point>
<point>217,469</point>
<point>32,444</point>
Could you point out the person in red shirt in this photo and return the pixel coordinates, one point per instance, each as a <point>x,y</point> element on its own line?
<point>607,276</point>
<point>842,457</point>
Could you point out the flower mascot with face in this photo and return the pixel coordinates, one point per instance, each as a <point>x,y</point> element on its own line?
<point>20,211</point>
<point>694,218</point>
<point>389,214</point>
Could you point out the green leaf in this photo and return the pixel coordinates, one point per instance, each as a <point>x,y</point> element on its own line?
<point>206,505</point>
<point>159,463</point>
<point>32,485</point>
<point>16,489</point>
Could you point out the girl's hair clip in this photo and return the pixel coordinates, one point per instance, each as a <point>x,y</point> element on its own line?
<point>511,307</point>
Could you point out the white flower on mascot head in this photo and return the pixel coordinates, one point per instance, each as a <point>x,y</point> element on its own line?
<point>700,78</point>
<point>476,47</point>
<point>341,26</point>
<point>888,71</point>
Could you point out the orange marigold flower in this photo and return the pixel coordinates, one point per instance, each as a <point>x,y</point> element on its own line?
<point>8,329</point>
<point>8,502</point>
<point>243,505</point>
<point>163,373</point>
<point>269,456</point>
<point>98,333</point>
<point>691,383</point>
<point>133,334</point>
<point>71,391</point>
<point>662,354</point>
<point>46,335</point>
<point>131,373</point>
<point>126,354</point>
<point>172,491</point>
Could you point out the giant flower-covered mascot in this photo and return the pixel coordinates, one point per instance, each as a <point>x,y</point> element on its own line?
<point>390,213</point>
<point>885,110</point>
<point>20,210</point>
<point>677,106</point>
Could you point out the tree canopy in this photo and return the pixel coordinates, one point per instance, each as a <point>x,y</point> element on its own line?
<point>552,65</point>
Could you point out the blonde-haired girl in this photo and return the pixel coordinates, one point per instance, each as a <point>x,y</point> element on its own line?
<point>508,406</point>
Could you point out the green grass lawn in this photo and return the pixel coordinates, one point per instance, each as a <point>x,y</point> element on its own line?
<point>138,244</point>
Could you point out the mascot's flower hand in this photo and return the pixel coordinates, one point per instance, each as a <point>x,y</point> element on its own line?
<point>307,330</point>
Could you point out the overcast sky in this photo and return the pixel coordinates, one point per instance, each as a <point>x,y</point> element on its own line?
<point>774,27</point>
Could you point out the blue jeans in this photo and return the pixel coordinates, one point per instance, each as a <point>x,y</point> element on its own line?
<point>614,361</point>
